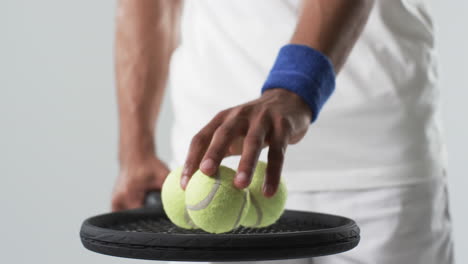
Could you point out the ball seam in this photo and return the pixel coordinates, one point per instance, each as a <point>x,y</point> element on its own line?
<point>209,198</point>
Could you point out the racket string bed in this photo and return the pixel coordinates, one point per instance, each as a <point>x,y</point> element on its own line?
<point>164,226</point>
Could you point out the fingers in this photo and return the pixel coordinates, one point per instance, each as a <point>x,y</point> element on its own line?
<point>220,144</point>
<point>117,204</point>
<point>127,200</point>
<point>156,183</point>
<point>278,142</point>
<point>197,149</point>
<point>252,147</point>
<point>214,142</point>
<point>221,136</point>
<point>135,181</point>
<point>135,201</point>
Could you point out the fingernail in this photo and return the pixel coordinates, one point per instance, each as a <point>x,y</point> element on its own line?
<point>241,178</point>
<point>268,190</point>
<point>184,181</point>
<point>207,165</point>
<point>185,172</point>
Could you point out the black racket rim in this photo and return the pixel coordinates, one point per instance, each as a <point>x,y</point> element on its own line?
<point>218,255</point>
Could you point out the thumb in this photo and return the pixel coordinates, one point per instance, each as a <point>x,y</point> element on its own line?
<point>135,200</point>
<point>155,184</point>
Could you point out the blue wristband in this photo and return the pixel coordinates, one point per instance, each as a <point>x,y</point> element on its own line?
<point>304,71</point>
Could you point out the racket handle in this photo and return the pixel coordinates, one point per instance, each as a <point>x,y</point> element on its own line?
<point>153,199</point>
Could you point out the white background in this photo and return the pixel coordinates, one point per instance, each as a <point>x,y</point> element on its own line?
<point>58,125</point>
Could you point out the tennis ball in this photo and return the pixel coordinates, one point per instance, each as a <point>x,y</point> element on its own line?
<point>264,211</point>
<point>173,199</point>
<point>213,203</point>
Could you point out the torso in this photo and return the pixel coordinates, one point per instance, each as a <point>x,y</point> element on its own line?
<point>379,127</point>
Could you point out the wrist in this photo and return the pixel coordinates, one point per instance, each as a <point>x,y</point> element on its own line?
<point>293,99</point>
<point>304,71</point>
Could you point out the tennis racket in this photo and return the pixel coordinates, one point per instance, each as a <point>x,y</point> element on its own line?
<point>147,233</point>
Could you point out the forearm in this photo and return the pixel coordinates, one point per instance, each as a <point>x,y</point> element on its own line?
<point>332,26</point>
<point>146,36</point>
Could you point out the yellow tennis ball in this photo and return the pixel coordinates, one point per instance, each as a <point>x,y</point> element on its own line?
<point>264,211</point>
<point>213,203</point>
<point>173,199</point>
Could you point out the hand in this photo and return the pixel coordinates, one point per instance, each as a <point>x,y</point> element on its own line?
<point>276,119</point>
<point>135,179</point>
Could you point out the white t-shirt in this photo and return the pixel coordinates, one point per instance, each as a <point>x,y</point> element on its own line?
<point>378,129</point>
